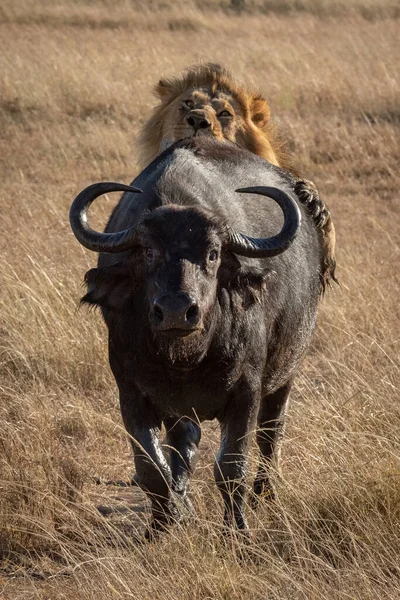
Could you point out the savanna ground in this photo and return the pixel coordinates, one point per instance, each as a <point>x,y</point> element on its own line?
<point>76,79</point>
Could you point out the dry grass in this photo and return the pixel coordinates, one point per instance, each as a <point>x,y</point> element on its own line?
<point>76,81</point>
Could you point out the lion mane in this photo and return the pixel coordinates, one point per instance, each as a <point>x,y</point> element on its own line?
<point>250,126</point>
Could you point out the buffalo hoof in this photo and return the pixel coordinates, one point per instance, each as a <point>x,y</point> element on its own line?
<point>180,510</point>
<point>262,491</point>
<point>163,517</point>
<point>236,540</point>
<point>184,505</point>
<point>235,525</point>
<point>153,531</point>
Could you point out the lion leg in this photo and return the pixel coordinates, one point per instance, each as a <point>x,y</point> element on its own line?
<point>308,195</point>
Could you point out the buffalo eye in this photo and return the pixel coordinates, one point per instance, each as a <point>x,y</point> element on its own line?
<point>212,257</point>
<point>225,113</point>
<point>149,254</point>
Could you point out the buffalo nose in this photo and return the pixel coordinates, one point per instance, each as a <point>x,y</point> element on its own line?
<point>198,122</point>
<point>175,312</point>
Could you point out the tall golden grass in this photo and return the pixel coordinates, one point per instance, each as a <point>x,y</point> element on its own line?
<point>76,80</point>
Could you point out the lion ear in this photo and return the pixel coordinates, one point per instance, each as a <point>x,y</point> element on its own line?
<point>260,112</point>
<point>164,89</point>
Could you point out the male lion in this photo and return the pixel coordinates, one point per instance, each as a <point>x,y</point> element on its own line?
<point>207,100</point>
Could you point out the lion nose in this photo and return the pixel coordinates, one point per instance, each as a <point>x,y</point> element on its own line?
<point>198,122</point>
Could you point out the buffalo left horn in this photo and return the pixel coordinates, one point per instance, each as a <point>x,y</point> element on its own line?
<point>263,247</point>
<point>94,240</point>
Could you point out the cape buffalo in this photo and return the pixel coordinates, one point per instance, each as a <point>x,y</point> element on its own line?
<point>205,322</point>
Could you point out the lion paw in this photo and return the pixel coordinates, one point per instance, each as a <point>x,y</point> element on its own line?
<point>308,195</point>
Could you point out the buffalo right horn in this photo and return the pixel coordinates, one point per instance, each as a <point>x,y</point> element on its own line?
<point>94,240</point>
<point>263,247</point>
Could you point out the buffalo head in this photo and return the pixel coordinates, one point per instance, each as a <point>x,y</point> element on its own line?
<point>180,258</point>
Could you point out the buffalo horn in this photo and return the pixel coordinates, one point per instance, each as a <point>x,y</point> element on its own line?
<point>94,240</point>
<point>263,247</point>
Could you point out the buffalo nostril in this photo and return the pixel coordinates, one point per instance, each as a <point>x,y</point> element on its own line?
<point>192,313</point>
<point>158,313</point>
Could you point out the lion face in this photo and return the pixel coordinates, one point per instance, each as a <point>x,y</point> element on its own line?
<point>200,112</point>
<point>207,100</point>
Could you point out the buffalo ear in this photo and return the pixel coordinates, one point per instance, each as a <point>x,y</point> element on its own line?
<point>260,112</point>
<point>250,283</point>
<point>108,287</point>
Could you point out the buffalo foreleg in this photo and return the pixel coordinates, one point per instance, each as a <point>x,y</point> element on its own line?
<point>153,473</point>
<point>231,465</point>
<point>182,440</point>
<point>271,419</point>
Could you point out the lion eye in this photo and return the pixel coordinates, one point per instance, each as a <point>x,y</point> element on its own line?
<point>212,257</point>
<point>225,113</point>
<point>188,103</point>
